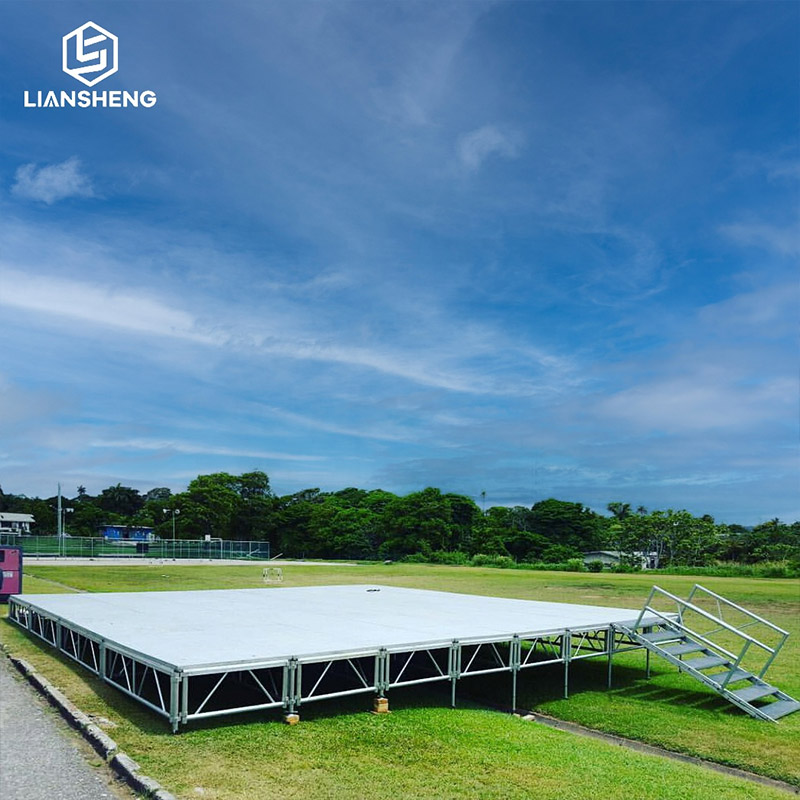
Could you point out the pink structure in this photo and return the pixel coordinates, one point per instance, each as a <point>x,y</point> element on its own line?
<point>10,571</point>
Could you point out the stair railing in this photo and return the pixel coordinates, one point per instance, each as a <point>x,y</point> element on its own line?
<point>685,605</point>
<point>754,620</point>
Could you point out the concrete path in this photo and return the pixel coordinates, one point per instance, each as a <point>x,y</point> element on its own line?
<point>41,758</point>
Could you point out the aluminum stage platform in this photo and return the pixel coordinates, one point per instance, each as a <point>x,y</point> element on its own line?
<point>190,655</point>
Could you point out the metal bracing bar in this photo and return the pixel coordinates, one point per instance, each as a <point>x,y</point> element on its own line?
<point>271,675</point>
<point>125,671</point>
<point>403,668</point>
<point>92,645</point>
<point>566,647</point>
<point>420,680</point>
<point>435,662</point>
<point>610,636</point>
<point>346,693</point>
<point>141,699</point>
<point>497,654</point>
<point>549,646</point>
<point>474,656</point>
<point>141,682</point>
<point>319,680</point>
<point>734,666</point>
<point>361,677</point>
<point>210,694</point>
<point>530,651</point>
<point>261,685</point>
<point>158,687</point>
<point>225,711</point>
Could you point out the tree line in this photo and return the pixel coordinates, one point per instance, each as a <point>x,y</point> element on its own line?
<point>429,524</point>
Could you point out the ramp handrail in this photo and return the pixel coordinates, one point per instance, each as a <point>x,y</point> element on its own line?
<point>720,599</point>
<point>687,605</point>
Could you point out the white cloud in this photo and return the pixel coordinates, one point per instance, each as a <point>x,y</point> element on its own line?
<point>704,401</point>
<point>475,147</point>
<point>52,183</point>
<point>98,305</point>
<point>173,446</point>
<point>782,240</point>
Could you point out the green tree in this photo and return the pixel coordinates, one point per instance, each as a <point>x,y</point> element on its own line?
<point>566,523</point>
<point>121,500</point>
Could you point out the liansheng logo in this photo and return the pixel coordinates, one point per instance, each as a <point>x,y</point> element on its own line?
<point>90,54</point>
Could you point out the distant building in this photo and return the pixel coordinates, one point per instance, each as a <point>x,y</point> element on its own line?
<point>18,524</point>
<point>612,558</point>
<point>126,533</point>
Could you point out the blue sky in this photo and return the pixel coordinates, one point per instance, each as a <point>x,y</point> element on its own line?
<point>531,249</point>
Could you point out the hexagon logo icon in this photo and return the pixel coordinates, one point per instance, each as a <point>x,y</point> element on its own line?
<point>90,53</point>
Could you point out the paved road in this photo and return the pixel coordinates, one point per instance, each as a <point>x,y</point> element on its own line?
<point>40,757</point>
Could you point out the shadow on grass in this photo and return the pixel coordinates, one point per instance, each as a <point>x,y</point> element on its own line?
<point>536,686</point>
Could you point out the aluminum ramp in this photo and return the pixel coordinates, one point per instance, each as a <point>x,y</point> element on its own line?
<point>720,667</point>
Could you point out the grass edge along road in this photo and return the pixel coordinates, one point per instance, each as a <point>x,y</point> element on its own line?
<point>338,748</point>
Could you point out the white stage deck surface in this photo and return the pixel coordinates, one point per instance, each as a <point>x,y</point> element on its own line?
<point>224,627</point>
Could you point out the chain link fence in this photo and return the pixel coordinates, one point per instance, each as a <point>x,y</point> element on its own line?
<point>85,547</point>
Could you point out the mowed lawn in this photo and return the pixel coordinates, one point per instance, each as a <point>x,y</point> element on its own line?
<point>425,749</point>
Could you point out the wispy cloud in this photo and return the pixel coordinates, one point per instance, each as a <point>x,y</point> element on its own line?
<point>475,147</point>
<point>173,446</point>
<point>126,309</point>
<point>52,183</point>
<point>784,240</point>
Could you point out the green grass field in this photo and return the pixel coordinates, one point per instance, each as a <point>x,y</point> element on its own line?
<point>425,749</point>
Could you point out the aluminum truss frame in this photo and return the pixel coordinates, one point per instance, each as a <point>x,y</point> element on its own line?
<point>183,695</point>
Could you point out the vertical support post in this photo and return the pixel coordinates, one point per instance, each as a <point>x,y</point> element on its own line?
<point>291,691</point>
<point>382,672</point>
<point>103,659</point>
<point>610,636</point>
<point>454,669</point>
<point>174,689</point>
<point>647,664</point>
<point>566,652</point>
<point>515,659</point>
<point>185,699</point>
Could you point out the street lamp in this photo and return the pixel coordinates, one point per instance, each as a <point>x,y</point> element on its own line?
<point>63,536</point>
<point>174,512</point>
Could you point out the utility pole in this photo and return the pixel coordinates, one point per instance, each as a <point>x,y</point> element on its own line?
<point>60,527</point>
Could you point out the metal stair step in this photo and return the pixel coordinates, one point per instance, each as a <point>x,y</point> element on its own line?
<point>780,709</point>
<point>754,692</point>
<point>738,675</point>
<point>706,663</point>
<point>662,636</point>
<point>682,649</point>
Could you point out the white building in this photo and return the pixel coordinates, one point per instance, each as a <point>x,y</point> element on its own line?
<point>612,558</point>
<point>15,523</point>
